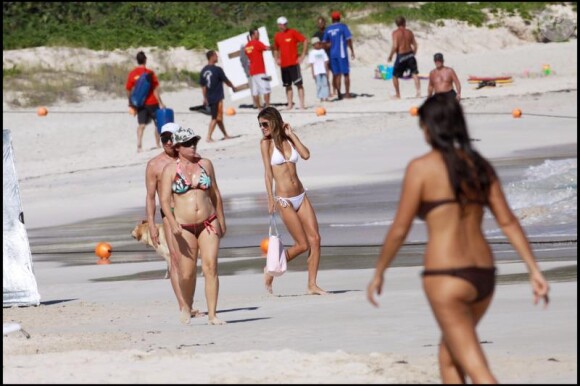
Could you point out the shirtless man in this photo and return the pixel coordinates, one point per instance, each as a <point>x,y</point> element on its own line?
<point>442,79</point>
<point>153,174</point>
<point>405,46</point>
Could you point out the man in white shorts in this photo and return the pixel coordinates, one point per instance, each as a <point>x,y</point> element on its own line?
<point>260,81</point>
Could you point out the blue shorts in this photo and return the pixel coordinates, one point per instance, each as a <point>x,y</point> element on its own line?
<point>339,66</point>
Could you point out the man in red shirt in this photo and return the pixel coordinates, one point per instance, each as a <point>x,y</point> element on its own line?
<point>260,82</point>
<point>153,102</point>
<point>286,51</point>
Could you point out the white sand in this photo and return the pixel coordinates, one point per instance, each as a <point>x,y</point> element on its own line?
<point>80,162</point>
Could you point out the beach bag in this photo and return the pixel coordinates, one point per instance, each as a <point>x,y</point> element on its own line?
<point>276,256</point>
<point>141,90</point>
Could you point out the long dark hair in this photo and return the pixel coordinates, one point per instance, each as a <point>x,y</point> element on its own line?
<point>470,174</point>
<point>276,126</point>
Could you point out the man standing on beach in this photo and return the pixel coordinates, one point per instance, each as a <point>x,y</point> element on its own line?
<point>212,79</point>
<point>442,79</point>
<point>153,174</point>
<point>286,53</point>
<point>147,112</point>
<point>405,46</point>
<point>339,37</point>
<point>259,81</point>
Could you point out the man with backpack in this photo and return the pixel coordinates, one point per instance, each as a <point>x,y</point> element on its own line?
<point>143,93</point>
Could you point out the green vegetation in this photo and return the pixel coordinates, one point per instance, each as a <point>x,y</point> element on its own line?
<point>107,25</point>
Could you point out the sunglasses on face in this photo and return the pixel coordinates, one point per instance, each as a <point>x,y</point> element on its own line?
<point>191,143</point>
<point>265,125</point>
<point>165,139</point>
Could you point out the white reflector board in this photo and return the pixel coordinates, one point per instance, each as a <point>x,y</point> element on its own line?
<point>229,54</point>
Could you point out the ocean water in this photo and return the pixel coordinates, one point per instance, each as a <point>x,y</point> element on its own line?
<point>545,199</point>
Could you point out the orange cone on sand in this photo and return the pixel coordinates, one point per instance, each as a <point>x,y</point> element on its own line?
<point>516,113</point>
<point>320,111</point>
<point>42,111</point>
<point>103,250</point>
<point>231,111</point>
<point>414,111</point>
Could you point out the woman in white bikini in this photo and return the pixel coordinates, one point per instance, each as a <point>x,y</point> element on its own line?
<point>281,148</point>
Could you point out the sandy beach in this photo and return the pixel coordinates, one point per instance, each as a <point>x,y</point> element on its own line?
<point>82,181</point>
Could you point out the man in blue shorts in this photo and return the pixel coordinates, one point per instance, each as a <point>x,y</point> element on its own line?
<point>338,36</point>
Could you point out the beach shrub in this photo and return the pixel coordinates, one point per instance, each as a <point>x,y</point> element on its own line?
<point>108,25</point>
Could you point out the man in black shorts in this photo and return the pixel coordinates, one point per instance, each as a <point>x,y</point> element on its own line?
<point>212,79</point>
<point>147,112</point>
<point>286,51</point>
<point>405,46</point>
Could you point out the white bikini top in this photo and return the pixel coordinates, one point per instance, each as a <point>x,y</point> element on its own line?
<point>278,157</point>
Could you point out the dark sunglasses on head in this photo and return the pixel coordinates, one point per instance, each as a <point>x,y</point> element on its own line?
<point>165,139</point>
<point>265,125</point>
<point>191,143</point>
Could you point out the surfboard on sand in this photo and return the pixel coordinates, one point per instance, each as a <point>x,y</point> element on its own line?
<point>496,79</point>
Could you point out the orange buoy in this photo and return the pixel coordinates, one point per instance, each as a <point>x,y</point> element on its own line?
<point>132,111</point>
<point>264,245</point>
<point>42,111</point>
<point>231,111</point>
<point>103,250</point>
<point>320,111</point>
<point>516,113</point>
<point>414,111</point>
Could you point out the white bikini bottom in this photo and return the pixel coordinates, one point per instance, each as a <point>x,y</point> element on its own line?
<point>295,201</point>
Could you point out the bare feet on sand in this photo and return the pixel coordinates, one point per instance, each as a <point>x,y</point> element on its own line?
<point>216,322</point>
<point>185,315</point>
<point>227,137</point>
<point>196,313</point>
<point>209,140</point>
<point>316,290</point>
<point>268,280</point>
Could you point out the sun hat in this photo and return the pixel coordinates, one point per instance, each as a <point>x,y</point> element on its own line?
<point>282,20</point>
<point>183,135</point>
<point>170,127</point>
<point>438,57</point>
<point>315,40</point>
<point>335,15</point>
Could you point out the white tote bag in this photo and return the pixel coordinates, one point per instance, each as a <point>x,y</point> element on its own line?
<point>276,256</point>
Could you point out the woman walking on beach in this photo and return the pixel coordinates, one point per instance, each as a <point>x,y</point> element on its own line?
<point>281,148</point>
<point>197,219</point>
<point>448,188</point>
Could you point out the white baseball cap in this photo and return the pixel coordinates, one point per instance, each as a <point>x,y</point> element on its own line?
<point>170,127</point>
<point>282,20</point>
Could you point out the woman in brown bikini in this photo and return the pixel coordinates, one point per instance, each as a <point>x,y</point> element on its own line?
<point>448,188</point>
<point>197,219</point>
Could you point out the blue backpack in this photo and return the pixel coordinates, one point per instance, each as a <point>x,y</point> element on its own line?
<point>141,89</point>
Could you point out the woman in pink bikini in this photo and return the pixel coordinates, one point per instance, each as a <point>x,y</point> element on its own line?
<point>197,219</point>
<point>281,149</point>
<point>448,188</point>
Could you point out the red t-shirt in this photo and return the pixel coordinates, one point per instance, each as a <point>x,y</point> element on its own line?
<point>132,78</point>
<point>287,43</point>
<point>254,50</point>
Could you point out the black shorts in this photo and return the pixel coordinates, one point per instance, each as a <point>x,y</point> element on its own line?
<point>451,93</point>
<point>146,114</point>
<point>217,110</point>
<point>408,63</point>
<point>291,75</point>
